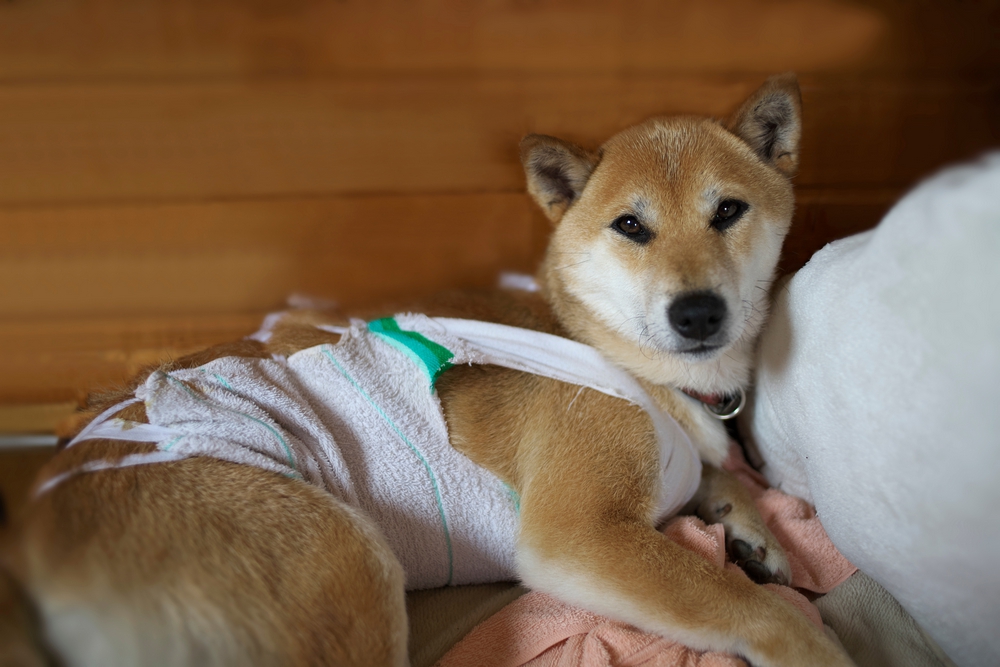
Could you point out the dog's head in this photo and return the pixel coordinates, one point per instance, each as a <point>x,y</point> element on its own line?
<point>667,238</point>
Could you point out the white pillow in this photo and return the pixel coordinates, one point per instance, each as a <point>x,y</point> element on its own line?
<point>878,399</point>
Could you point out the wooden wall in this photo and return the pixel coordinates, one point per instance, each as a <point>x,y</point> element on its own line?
<point>170,170</point>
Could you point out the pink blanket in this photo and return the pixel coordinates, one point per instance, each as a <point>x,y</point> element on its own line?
<point>540,631</point>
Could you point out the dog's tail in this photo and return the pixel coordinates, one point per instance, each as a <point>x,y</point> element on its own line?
<point>20,631</point>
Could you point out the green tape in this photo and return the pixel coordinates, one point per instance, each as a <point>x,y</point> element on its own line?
<point>434,358</point>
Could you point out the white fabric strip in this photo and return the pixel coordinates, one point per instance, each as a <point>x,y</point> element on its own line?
<point>103,464</point>
<point>101,419</point>
<point>263,334</point>
<point>544,354</point>
<point>333,328</point>
<point>106,427</point>
<point>518,281</point>
<point>123,429</point>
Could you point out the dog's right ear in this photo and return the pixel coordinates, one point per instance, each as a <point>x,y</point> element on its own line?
<point>771,122</point>
<point>557,171</point>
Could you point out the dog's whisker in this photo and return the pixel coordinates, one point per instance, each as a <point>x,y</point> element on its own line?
<point>570,266</point>
<point>618,329</point>
<point>652,351</point>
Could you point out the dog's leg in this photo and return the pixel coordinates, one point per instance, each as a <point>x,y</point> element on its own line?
<point>587,537</point>
<point>722,498</point>
<point>629,571</point>
<point>207,563</point>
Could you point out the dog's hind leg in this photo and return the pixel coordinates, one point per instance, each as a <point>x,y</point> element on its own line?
<point>202,562</point>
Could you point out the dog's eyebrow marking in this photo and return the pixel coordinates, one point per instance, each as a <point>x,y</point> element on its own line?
<point>640,206</point>
<point>711,198</point>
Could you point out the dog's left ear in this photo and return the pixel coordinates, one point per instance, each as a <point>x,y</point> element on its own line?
<point>556,171</point>
<point>770,121</point>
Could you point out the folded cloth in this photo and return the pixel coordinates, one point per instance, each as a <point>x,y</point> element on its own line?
<point>874,628</point>
<point>540,631</point>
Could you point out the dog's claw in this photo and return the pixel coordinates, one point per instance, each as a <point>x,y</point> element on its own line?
<point>754,563</point>
<point>739,551</point>
<point>757,572</point>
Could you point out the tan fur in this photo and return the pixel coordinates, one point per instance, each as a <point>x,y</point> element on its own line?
<point>205,562</point>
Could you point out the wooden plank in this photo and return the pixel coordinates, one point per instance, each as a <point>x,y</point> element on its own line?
<point>81,39</point>
<point>34,418</point>
<point>248,256</point>
<point>49,361</point>
<point>890,133</point>
<point>212,140</point>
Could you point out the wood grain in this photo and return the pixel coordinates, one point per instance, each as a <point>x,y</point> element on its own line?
<point>97,143</point>
<point>34,418</point>
<point>156,39</point>
<point>47,361</point>
<point>248,256</point>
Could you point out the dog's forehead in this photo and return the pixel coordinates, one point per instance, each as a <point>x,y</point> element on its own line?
<point>679,153</point>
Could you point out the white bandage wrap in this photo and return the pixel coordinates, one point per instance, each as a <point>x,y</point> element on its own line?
<point>361,420</point>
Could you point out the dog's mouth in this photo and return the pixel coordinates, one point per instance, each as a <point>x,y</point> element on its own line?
<point>700,351</point>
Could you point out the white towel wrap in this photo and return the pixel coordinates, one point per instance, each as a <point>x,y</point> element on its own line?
<point>361,420</point>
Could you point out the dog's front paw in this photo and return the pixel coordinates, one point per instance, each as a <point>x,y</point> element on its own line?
<point>723,499</point>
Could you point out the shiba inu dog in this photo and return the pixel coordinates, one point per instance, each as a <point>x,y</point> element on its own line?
<point>665,242</point>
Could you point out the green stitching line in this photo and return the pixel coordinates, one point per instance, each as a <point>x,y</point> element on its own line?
<point>166,447</point>
<point>434,357</point>
<point>515,497</point>
<point>223,382</point>
<point>427,467</point>
<point>288,450</point>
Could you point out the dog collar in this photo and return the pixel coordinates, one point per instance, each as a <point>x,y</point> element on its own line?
<point>720,406</point>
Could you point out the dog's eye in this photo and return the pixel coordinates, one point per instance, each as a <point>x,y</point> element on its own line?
<point>728,213</point>
<point>630,226</point>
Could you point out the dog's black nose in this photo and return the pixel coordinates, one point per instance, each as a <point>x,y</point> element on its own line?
<point>697,315</point>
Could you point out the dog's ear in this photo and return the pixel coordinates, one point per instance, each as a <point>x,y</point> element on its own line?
<point>556,170</point>
<point>770,121</point>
